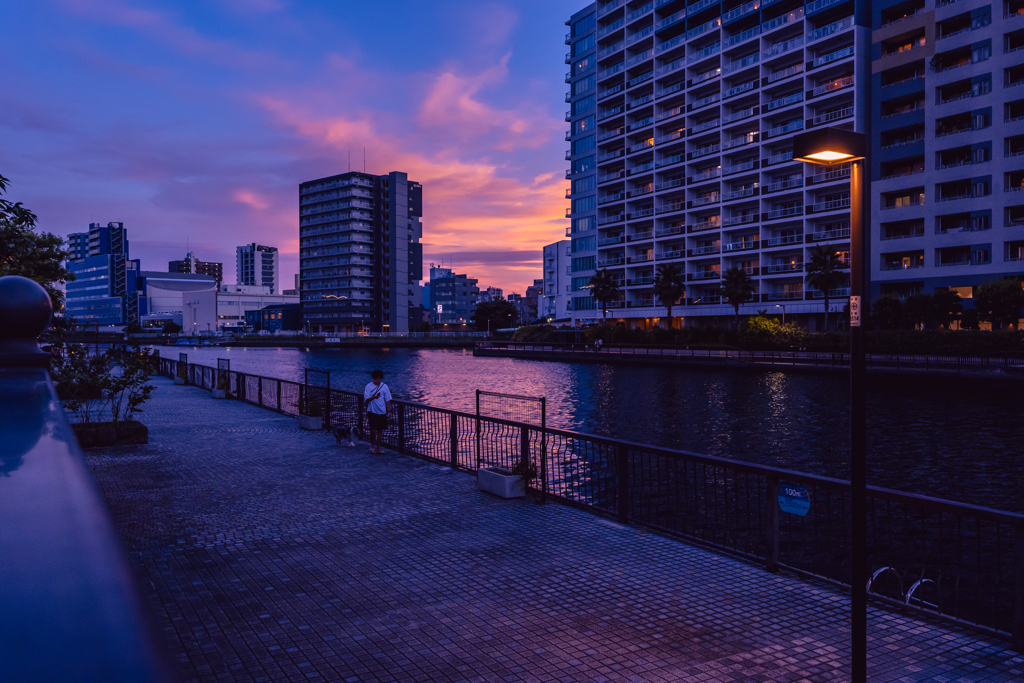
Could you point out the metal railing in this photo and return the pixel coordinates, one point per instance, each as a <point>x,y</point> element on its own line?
<point>971,558</point>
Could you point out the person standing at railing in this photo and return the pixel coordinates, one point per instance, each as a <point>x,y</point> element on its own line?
<point>377,402</point>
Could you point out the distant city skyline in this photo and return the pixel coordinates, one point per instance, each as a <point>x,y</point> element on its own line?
<point>193,125</point>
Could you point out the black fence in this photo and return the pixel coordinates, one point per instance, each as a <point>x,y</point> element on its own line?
<point>957,561</point>
<point>977,362</point>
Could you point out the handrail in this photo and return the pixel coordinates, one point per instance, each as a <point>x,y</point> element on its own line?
<point>72,610</point>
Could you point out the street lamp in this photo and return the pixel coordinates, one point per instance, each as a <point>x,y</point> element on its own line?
<point>783,307</point>
<point>829,146</point>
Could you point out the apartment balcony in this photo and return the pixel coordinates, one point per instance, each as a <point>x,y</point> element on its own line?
<point>739,168</point>
<point>832,293</point>
<point>746,245</point>
<point>740,194</point>
<point>705,101</point>
<point>640,213</point>
<point>829,176</point>
<point>709,51</point>
<point>709,224</point>
<point>673,230</point>
<point>671,207</point>
<point>608,92</point>
<point>740,220</point>
<point>705,151</point>
<point>776,214</point>
<point>705,251</point>
<point>743,36</point>
<point>706,299</point>
<point>831,116</point>
<point>781,268</point>
<point>610,240</point>
<point>712,198</point>
<point>741,11</point>
<point>830,29</point>
<point>783,20</point>
<point>740,115</point>
<point>618,196</point>
<point>640,191</point>
<point>780,241</point>
<point>608,177</point>
<point>783,185</point>
<point>743,63</point>
<point>640,258</point>
<point>782,296</point>
<point>641,123</point>
<point>778,158</point>
<point>835,56</point>
<point>642,168</point>
<point>704,275</point>
<point>611,263</point>
<point>783,48</point>
<point>790,127</point>
<point>613,133</point>
<point>605,220</point>
<point>641,303</point>
<point>833,86</point>
<point>641,236</point>
<point>670,160</point>
<point>841,233</point>
<point>671,184</point>
<point>639,281</point>
<point>831,205</point>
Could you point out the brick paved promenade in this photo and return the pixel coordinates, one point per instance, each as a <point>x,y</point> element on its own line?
<point>270,554</point>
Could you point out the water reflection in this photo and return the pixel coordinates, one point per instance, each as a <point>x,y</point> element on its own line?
<point>947,437</point>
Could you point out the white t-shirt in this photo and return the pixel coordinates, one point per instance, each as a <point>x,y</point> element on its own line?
<point>378,406</point>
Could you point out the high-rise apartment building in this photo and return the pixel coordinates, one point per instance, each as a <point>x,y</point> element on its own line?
<point>256,266</point>
<point>948,146</point>
<point>104,290</point>
<point>555,299</point>
<point>360,256</point>
<point>190,264</point>
<point>681,124</point>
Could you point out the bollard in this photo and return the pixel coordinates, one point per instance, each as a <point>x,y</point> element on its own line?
<point>400,410</point>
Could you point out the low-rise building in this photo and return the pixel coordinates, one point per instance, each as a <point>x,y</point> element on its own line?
<point>275,318</point>
<point>224,310</point>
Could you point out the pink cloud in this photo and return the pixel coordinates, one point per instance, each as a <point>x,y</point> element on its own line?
<point>250,198</point>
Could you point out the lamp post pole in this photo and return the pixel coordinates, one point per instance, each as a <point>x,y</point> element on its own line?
<point>858,428</point>
<point>783,307</point>
<point>830,146</point>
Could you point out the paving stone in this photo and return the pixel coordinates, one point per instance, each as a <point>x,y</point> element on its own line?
<point>271,554</point>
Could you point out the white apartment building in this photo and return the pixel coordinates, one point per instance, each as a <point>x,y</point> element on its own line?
<point>257,266</point>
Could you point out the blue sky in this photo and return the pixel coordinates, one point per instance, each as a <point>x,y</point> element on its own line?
<point>197,120</point>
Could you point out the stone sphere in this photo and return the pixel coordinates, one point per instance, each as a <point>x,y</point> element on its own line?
<point>25,308</point>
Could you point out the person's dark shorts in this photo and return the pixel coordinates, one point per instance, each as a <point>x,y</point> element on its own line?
<point>377,423</point>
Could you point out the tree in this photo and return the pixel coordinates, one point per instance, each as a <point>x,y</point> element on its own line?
<point>604,287</point>
<point>133,328</point>
<point>669,286</point>
<point>171,327</point>
<point>737,288</point>
<point>969,320</point>
<point>1000,302</point>
<point>494,315</point>
<point>888,312</point>
<point>948,306</point>
<point>918,309</point>
<point>39,257</point>
<point>824,272</point>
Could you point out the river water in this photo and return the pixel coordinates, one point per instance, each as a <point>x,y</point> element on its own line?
<point>955,438</point>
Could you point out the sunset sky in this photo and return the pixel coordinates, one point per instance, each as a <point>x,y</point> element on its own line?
<point>197,120</point>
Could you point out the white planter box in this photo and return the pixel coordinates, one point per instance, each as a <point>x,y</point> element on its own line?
<point>311,423</point>
<point>220,393</point>
<point>179,380</point>
<point>500,482</point>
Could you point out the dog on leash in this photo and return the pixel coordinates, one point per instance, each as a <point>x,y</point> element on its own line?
<point>343,434</point>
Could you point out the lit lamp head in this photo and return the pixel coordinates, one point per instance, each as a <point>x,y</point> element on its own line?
<point>828,146</point>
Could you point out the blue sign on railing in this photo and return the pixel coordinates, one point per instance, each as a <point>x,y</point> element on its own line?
<point>794,499</point>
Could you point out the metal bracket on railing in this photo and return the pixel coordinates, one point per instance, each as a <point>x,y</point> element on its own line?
<point>918,584</point>
<point>883,570</point>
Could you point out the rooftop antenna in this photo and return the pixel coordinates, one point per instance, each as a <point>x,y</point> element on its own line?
<point>364,158</point>
<point>350,161</point>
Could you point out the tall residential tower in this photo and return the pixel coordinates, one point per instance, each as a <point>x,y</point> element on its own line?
<point>360,257</point>
<point>257,266</point>
<point>681,126</point>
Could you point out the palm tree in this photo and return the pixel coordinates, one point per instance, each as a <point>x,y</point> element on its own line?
<point>604,287</point>
<point>824,272</point>
<point>669,286</point>
<point>737,288</point>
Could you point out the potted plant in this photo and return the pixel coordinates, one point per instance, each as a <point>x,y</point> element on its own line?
<point>506,483</point>
<point>309,415</point>
<point>221,391</point>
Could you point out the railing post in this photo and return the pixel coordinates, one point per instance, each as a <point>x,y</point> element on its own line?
<point>279,396</point>
<point>771,529</point>
<point>524,448</point>
<point>1018,588</point>
<point>261,390</point>
<point>400,412</point>
<point>453,433</point>
<point>622,477</point>
<point>543,450</point>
